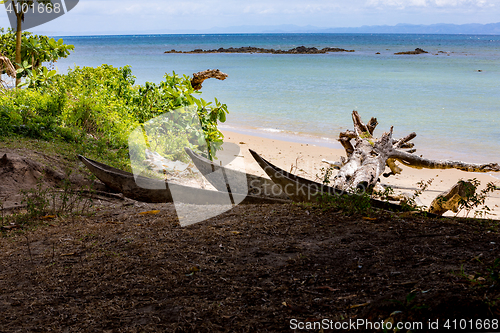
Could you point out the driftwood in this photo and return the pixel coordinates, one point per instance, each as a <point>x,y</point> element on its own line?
<point>450,199</point>
<point>367,158</point>
<point>199,77</point>
<point>6,67</point>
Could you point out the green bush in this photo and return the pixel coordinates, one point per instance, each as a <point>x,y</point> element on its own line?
<point>97,102</point>
<point>30,114</point>
<point>99,107</point>
<point>35,49</point>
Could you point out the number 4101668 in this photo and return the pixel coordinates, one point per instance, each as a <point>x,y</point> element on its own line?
<point>39,8</point>
<point>471,324</point>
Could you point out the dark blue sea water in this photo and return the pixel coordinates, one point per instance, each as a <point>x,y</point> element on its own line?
<point>450,97</point>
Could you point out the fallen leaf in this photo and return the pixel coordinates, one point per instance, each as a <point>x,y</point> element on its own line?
<point>195,269</point>
<point>327,288</point>
<point>346,297</point>
<point>359,305</point>
<point>369,218</point>
<point>150,212</point>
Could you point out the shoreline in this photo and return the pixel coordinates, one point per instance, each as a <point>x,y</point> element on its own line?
<point>304,158</point>
<point>432,152</point>
<point>283,135</point>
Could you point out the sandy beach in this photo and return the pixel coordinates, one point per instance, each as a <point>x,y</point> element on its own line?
<point>305,159</point>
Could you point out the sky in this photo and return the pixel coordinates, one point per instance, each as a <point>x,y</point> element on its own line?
<point>155,16</point>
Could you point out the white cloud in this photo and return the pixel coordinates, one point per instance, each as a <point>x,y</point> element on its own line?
<point>210,8</point>
<point>402,4</point>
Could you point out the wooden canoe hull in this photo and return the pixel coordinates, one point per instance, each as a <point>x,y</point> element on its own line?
<point>247,183</point>
<point>304,190</point>
<point>159,191</point>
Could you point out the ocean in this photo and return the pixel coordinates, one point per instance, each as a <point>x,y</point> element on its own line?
<point>450,96</point>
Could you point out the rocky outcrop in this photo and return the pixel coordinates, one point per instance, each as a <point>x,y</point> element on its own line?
<point>417,51</point>
<point>251,49</point>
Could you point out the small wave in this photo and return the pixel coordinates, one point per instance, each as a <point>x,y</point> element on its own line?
<point>272,130</point>
<point>494,176</point>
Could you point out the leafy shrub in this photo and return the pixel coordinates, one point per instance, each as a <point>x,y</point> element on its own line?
<point>30,114</point>
<point>99,107</point>
<point>474,200</point>
<point>35,49</point>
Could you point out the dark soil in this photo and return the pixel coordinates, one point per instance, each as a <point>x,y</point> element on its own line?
<point>256,268</point>
<point>253,269</point>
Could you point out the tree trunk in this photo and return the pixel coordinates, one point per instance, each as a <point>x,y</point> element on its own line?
<point>19,16</point>
<point>368,157</point>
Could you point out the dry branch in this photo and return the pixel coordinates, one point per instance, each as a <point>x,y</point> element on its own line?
<point>7,67</point>
<point>371,125</point>
<point>401,142</point>
<point>359,126</point>
<point>199,77</point>
<point>414,161</point>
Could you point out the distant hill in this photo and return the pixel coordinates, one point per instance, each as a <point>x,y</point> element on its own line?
<point>441,28</point>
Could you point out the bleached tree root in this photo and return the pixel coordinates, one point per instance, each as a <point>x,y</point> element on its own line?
<point>368,156</point>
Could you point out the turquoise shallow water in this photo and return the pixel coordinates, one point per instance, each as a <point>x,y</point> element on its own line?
<point>453,107</point>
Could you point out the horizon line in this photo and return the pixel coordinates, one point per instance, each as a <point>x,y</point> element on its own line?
<point>296,29</point>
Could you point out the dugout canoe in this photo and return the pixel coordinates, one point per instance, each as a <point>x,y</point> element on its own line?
<point>304,190</point>
<point>158,191</point>
<point>254,185</point>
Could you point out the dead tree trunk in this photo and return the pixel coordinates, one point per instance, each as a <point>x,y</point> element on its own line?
<point>367,157</point>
